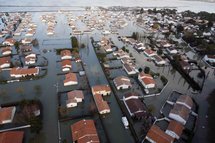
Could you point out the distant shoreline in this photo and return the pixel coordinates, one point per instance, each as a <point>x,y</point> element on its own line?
<point>209,1</point>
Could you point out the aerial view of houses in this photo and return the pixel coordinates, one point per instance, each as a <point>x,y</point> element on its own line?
<point>107,71</point>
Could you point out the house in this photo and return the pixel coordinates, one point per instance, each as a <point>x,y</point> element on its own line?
<point>156,135</point>
<point>66,65</point>
<point>128,61</point>
<point>23,72</point>
<point>149,53</point>
<point>209,58</point>
<point>122,82</point>
<point>26,48</point>
<point>6,51</point>
<point>146,80</point>
<point>5,62</point>
<point>121,54</point>
<point>101,89</point>
<point>26,41</point>
<point>171,50</point>
<point>174,129</point>
<point>179,113</point>
<point>30,33</point>
<point>101,105</point>
<point>66,55</point>
<point>70,79</point>
<point>7,114</point>
<point>104,41</point>
<point>84,131</point>
<point>130,70</point>
<point>9,42</point>
<point>139,47</point>
<point>12,137</point>
<point>108,48</point>
<point>158,60</point>
<point>30,59</point>
<point>74,97</point>
<point>186,101</point>
<point>135,107</point>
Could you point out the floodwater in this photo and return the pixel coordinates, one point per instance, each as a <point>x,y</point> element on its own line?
<point>112,122</point>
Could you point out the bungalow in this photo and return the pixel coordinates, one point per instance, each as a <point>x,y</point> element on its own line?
<point>6,51</point>
<point>84,131</point>
<point>186,101</point>
<point>104,41</point>
<point>171,50</point>
<point>5,62</point>
<point>50,32</point>
<point>210,58</point>
<point>66,65</point>
<point>156,135</point>
<point>101,105</point>
<point>22,72</point>
<point>30,33</point>
<point>174,129</point>
<point>77,32</point>
<point>146,80</point>
<point>74,97</point>
<point>30,59</point>
<point>122,82</point>
<point>149,53</point>
<point>26,48</point>
<point>130,70</point>
<point>7,114</point>
<point>127,61</point>
<point>9,41</point>
<point>70,79</point>
<point>179,113</point>
<point>135,107</point>
<point>66,55</point>
<point>139,47</point>
<point>158,60</point>
<point>26,41</point>
<point>108,48</point>
<point>101,89</point>
<point>12,137</point>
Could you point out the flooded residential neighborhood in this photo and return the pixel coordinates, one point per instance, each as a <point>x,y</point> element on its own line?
<point>108,72</point>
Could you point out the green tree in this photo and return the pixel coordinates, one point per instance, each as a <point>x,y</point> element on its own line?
<point>147,70</point>
<point>17,44</point>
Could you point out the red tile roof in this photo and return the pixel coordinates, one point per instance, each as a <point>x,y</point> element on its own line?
<point>66,62</point>
<point>100,103</point>
<point>23,71</point>
<point>186,99</point>
<point>70,77</point>
<point>75,94</point>
<point>181,110</point>
<point>65,53</point>
<point>6,113</point>
<point>97,88</point>
<point>84,131</point>
<point>4,60</point>
<point>159,136</point>
<point>176,127</point>
<point>12,137</point>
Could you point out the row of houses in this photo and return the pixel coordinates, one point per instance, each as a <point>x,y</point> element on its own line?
<point>49,19</point>
<point>178,117</point>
